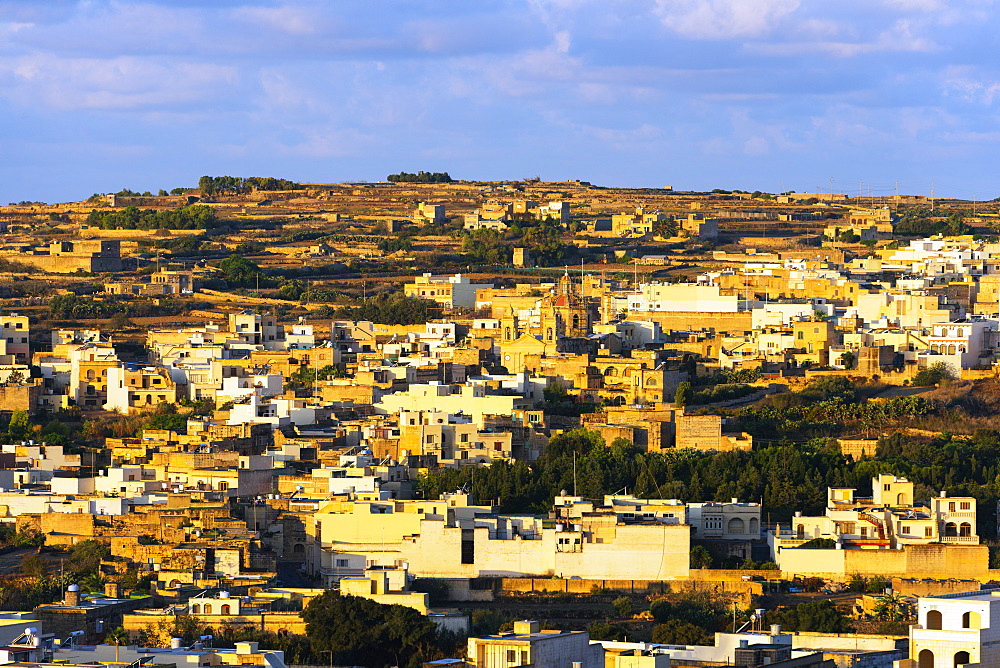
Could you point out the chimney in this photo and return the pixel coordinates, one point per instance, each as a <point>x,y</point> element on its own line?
<point>527,627</point>
<point>113,590</point>
<point>73,595</point>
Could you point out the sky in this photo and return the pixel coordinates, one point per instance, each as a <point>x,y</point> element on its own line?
<point>844,95</point>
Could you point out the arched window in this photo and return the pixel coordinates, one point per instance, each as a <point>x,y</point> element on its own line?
<point>925,659</point>
<point>754,526</point>
<point>950,529</point>
<point>195,609</point>
<point>965,529</point>
<point>736,525</point>
<point>208,608</point>
<point>961,658</point>
<point>506,333</point>
<point>934,620</point>
<point>901,499</point>
<point>611,371</point>
<point>225,610</point>
<point>650,382</point>
<point>298,548</point>
<point>970,620</point>
<point>951,349</point>
<point>576,321</point>
<point>548,333</point>
<point>961,348</point>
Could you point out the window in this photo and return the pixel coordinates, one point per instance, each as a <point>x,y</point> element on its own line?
<point>341,563</point>
<point>511,656</point>
<point>225,610</point>
<point>934,620</point>
<point>928,532</point>
<point>965,505</point>
<point>208,608</point>
<point>906,529</point>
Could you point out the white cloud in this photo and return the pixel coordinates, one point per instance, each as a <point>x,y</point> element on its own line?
<point>965,84</point>
<point>723,19</point>
<point>116,83</point>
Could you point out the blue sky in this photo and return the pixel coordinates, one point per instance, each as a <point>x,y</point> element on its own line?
<point>101,95</point>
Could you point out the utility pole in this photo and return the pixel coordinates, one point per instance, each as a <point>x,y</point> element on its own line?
<point>932,195</point>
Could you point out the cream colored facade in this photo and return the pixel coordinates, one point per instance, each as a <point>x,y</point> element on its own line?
<point>961,629</point>
<point>888,519</point>
<point>529,645</point>
<point>438,539</point>
<point>470,400</point>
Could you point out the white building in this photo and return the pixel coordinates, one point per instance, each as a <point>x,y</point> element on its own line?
<point>963,344</point>
<point>960,629</point>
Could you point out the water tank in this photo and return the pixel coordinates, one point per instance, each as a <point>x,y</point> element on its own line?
<point>175,643</point>
<point>223,594</point>
<point>775,629</point>
<point>73,587</point>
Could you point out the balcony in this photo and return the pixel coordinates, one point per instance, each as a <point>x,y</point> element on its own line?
<point>966,540</point>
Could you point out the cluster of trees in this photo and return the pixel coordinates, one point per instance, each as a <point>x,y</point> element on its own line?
<point>238,185</point>
<point>419,177</point>
<point>826,407</point>
<point>786,477</point>
<point>74,307</point>
<point>395,309</point>
<point>393,244</point>
<point>722,392</point>
<point>923,223</point>
<point>486,247</point>
<point>38,582</point>
<point>239,271</point>
<point>355,631</point>
<point>196,217</point>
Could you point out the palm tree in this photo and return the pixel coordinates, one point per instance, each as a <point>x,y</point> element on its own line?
<point>892,607</point>
<point>117,637</point>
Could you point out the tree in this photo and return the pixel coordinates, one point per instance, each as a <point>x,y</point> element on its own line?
<point>847,359</point>
<point>354,630</point>
<point>683,395</point>
<point>622,606</point>
<point>934,374</point>
<point>85,557</point>
<point>892,607</point>
<point>240,271</point>
<point>700,557</point>
<point>680,632</point>
<point>19,425</point>
<point>816,616</point>
<point>34,566</point>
